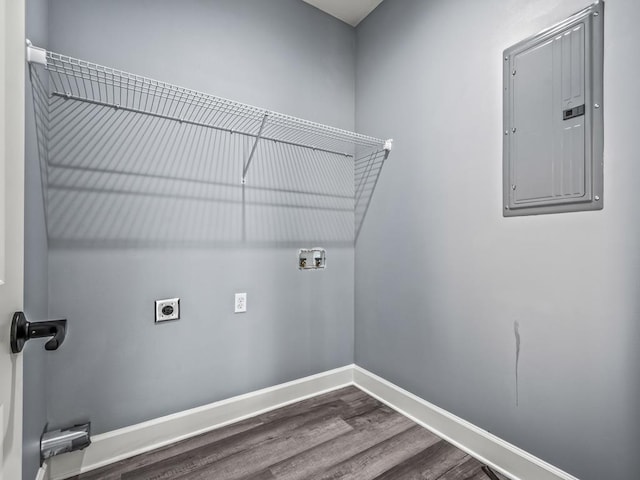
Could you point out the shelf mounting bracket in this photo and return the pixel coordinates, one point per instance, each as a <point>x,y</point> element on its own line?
<point>253,150</point>
<point>388,145</point>
<point>36,54</point>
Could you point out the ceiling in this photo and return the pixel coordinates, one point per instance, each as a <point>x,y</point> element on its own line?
<point>349,11</point>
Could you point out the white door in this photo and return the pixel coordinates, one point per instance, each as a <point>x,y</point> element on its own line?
<point>12,67</point>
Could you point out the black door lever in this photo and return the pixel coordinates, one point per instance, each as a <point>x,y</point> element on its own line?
<point>21,331</point>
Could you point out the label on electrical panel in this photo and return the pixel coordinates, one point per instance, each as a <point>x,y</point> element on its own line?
<point>573,112</point>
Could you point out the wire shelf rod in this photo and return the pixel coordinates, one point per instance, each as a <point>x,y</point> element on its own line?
<point>291,132</point>
<point>96,82</point>
<point>206,125</point>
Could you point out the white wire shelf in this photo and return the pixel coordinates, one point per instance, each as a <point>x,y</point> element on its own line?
<point>76,79</point>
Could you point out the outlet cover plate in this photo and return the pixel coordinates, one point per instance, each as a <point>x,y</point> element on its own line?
<point>167,309</point>
<point>241,303</point>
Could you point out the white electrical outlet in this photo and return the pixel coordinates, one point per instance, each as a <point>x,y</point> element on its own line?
<point>241,303</point>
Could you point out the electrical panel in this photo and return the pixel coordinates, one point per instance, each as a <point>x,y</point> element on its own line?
<point>553,122</point>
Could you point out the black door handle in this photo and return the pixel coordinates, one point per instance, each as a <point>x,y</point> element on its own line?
<point>21,331</point>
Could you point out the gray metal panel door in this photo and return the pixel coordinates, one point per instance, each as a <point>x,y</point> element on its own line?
<point>549,119</point>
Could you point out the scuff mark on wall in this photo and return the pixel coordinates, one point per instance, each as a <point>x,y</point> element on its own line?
<point>516,330</point>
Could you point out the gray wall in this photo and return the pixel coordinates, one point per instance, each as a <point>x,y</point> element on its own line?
<point>118,368</point>
<point>436,310</point>
<point>35,266</point>
<point>440,323</point>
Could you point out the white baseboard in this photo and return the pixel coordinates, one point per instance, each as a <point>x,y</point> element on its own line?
<point>505,458</point>
<point>43,472</point>
<point>110,447</point>
<point>126,442</point>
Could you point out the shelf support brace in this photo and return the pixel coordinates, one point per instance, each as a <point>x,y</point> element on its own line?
<point>253,150</point>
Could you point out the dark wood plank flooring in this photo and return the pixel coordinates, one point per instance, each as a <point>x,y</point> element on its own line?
<point>344,434</point>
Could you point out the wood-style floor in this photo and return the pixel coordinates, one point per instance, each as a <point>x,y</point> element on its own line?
<point>344,434</point>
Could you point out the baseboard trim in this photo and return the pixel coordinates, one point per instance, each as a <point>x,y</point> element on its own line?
<point>500,455</point>
<point>43,472</point>
<point>127,442</point>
